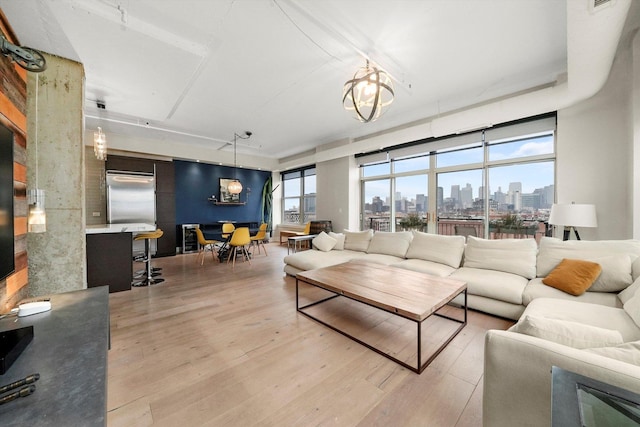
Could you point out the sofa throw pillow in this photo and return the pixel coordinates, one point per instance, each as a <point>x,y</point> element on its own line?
<point>573,276</point>
<point>386,243</point>
<point>615,276</point>
<point>565,332</point>
<point>323,242</point>
<point>339,240</point>
<point>628,352</point>
<point>445,250</point>
<point>632,308</point>
<point>357,240</point>
<point>516,256</point>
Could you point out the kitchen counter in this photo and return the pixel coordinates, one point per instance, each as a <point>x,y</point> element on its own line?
<point>133,227</point>
<point>69,351</point>
<point>110,254</point>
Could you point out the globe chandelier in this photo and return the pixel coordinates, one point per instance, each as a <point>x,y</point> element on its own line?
<point>368,93</point>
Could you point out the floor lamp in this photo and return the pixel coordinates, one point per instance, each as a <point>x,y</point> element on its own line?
<point>571,216</point>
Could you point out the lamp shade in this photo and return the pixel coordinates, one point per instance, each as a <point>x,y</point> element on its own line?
<point>573,215</point>
<point>37,219</point>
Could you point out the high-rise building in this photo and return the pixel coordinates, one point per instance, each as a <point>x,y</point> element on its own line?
<point>421,203</point>
<point>455,194</point>
<point>466,196</point>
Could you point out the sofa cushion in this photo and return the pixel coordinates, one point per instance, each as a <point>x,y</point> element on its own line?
<point>585,313</point>
<point>357,240</point>
<point>628,352</point>
<point>536,289</point>
<point>517,256</point>
<point>553,250</point>
<point>323,242</point>
<point>382,259</point>
<point>629,292</point>
<point>339,240</point>
<point>632,308</point>
<point>446,250</point>
<point>565,332</point>
<point>616,273</point>
<point>394,244</point>
<point>423,266</point>
<point>573,276</point>
<point>308,260</point>
<point>498,285</point>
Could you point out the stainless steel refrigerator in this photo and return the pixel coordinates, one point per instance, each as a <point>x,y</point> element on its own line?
<point>131,198</point>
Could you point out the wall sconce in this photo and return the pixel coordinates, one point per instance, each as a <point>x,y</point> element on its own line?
<point>100,144</point>
<point>37,219</point>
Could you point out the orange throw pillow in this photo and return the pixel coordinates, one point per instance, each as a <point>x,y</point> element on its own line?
<point>573,276</point>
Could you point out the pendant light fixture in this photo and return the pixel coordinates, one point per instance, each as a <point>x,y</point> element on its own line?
<point>100,144</point>
<point>235,187</point>
<point>368,93</point>
<point>37,219</point>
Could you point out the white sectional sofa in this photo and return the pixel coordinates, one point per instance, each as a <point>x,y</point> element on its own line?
<point>595,333</point>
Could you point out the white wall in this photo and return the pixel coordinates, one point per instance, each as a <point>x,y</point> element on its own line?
<point>335,193</point>
<point>595,154</point>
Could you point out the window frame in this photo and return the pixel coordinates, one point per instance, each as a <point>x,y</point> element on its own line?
<point>303,199</point>
<point>521,130</point>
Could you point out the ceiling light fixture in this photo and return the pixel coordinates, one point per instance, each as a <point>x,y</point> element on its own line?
<point>368,93</point>
<point>100,144</point>
<point>235,187</point>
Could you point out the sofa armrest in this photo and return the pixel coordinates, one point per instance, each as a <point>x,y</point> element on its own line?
<point>517,376</point>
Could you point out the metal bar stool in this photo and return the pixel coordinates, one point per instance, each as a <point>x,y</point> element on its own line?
<point>151,278</point>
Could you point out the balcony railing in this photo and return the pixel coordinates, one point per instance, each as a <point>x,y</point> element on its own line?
<point>447,227</point>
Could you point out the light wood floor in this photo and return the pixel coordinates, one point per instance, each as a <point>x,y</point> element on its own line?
<point>212,346</point>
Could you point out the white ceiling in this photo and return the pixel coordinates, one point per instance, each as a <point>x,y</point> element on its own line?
<point>197,71</point>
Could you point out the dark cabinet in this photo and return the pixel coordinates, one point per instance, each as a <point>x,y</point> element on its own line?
<point>109,261</point>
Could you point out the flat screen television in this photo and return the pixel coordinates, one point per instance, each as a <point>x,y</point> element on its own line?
<point>7,259</point>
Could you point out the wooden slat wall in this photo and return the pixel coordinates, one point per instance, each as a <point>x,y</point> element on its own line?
<point>13,106</point>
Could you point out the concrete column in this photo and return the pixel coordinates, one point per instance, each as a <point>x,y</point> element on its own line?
<point>57,257</point>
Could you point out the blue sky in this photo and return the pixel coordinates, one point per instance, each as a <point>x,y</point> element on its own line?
<point>531,175</point>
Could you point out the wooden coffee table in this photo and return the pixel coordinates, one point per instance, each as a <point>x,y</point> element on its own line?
<point>408,294</point>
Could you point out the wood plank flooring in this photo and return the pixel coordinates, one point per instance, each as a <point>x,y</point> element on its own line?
<point>216,346</point>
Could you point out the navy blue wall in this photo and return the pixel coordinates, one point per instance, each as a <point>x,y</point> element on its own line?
<point>195,182</point>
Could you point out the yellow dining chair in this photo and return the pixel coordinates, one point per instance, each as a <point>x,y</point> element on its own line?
<point>240,239</point>
<point>307,229</point>
<point>205,245</point>
<point>258,239</point>
<point>227,229</point>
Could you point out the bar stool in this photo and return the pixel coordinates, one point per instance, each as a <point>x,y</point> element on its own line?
<point>151,278</point>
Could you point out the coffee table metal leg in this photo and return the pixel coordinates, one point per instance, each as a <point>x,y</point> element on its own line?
<point>419,347</point>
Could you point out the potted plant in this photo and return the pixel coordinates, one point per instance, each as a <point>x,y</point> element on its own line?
<point>412,221</point>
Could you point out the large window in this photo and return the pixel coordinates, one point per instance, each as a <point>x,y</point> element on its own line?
<point>496,183</point>
<point>299,200</point>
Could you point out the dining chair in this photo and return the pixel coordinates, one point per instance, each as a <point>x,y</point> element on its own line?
<point>465,230</point>
<point>258,239</point>
<point>205,245</point>
<point>227,229</point>
<point>240,239</point>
